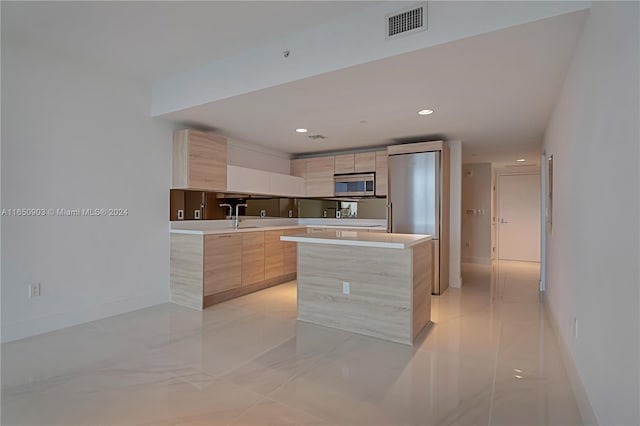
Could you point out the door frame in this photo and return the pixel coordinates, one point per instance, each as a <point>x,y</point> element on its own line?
<point>524,170</point>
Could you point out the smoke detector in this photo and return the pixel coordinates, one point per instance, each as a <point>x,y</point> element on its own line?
<point>407,21</point>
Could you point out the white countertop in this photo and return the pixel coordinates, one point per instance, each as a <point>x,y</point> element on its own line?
<point>225,227</point>
<point>208,230</point>
<point>360,239</point>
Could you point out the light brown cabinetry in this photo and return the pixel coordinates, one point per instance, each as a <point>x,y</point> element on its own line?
<point>199,161</point>
<point>344,163</point>
<point>273,254</point>
<point>290,252</point>
<point>208,269</point>
<point>222,263</point>
<point>252,258</point>
<point>382,170</point>
<point>365,162</point>
<point>319,177</point>
<point>299,167</point>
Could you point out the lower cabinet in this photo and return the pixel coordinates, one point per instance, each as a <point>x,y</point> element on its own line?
<point>222,263</point>
<point>209,269</point>
<point>252,258</point>
<point>273,254</point>
<point>290,252</point>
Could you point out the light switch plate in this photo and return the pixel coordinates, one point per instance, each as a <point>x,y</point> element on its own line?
<point>346,287</point>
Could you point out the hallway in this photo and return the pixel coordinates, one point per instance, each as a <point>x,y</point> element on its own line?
<point>489,358</point>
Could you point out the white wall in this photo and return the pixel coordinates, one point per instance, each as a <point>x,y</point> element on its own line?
<point>476,227</point>
<point>74,137</point>
<point>592,252</point>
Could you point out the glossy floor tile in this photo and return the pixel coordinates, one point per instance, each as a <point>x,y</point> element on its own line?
<point>490,357</point>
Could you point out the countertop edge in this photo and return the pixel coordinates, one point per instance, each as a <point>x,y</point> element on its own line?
<point>357,243</point>
<point>268,228</point>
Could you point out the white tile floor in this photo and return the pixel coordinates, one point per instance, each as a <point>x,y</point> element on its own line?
<point>490,358</point>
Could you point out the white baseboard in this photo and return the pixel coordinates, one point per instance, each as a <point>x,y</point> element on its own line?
<point>476,259</point>
<point>588,416</point>
<point>31,327</point>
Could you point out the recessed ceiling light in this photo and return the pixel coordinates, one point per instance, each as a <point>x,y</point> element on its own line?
<point>425,112</point>
<point>520,160</point>
<point>301,130</point>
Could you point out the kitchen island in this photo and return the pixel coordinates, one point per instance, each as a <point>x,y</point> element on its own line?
<point>376,284</point>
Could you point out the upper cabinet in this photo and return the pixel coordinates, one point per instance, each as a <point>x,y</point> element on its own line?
<point>364,162</point>
<point>382,171</point>
<point>299,167</point>
<point>199,161</point>
<point>318,171</point>
<point>252,181</point>
<point>319,176</point>
<point>344,163</point>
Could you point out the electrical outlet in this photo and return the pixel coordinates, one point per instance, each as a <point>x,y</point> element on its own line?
<point>263,213</point>
<point>575,328</point>
<point>324,213</point>
<point>290,213</point>
<point>346,287</point>
<point>34,290</point>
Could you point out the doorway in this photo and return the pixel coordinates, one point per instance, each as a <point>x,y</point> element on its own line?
<point>518,219</point>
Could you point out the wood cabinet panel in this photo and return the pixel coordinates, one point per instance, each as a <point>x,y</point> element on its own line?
<point>199,160</point>
<point>320,167</point>
<point>222,263</point>
<point>290,251</point>
<point>344,163</point>
<point>252,258</point>
<point>319,177</point>
<point>382,170</point>
<point>273,254</point>
<point>299,167</point>
<point>365,162</point>
<point>186,270</point>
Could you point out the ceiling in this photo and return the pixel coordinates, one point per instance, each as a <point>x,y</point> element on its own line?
<point>495,92</point>
<point>151,40</point>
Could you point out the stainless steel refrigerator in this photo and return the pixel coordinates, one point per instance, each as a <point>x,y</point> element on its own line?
<point>415,202</point>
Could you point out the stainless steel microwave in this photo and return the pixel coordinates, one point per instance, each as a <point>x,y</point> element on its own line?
<point>355,185</point>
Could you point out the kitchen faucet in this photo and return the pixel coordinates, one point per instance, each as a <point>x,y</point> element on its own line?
<point>235,223</point>
<point>229,207</point>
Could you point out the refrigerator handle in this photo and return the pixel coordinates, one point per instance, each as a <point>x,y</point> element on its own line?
<point>389,213</point>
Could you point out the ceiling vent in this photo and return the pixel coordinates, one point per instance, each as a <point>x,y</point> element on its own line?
<point>407,21</point>
<point>317,137</point>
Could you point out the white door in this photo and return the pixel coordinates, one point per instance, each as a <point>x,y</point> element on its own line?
<point>519,217</point>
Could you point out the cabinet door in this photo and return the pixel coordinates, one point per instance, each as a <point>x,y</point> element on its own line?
<point>299,167</point>
<point>252,258</point>
<point>381,172</point>
<point>291,251</point>
<point>199,160</point>
<point>365,162</point>
<point>273,254</point>
<point>344,163</point>
<point>222,263</point>
<point>319,177</point>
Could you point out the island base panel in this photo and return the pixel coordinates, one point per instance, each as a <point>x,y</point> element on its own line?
<point>380,280</point>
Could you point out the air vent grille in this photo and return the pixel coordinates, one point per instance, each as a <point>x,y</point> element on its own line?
<point>408,21</point>
<point>317,137</point>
